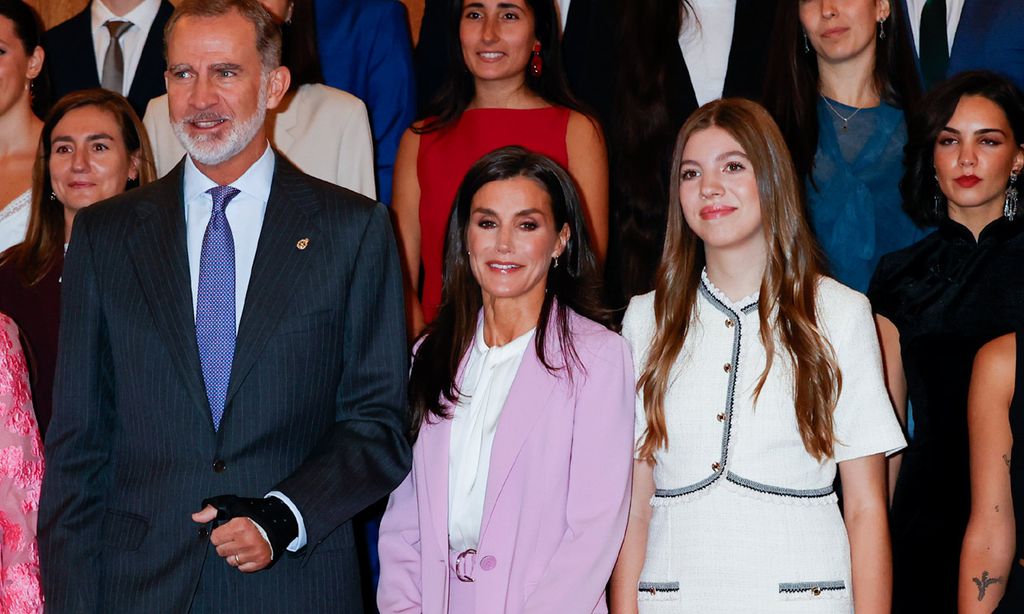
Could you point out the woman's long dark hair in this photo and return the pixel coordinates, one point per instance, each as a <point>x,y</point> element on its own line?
<point>43,246</point>
<point>792,81</point>
<point>572,286</point>
<point>641,137</point>
<point>458,88</point>
<point>298,50</point>
<point>918,185</point>
<point>29,30</point>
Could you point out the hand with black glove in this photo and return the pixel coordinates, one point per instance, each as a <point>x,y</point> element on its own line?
<point>250,534</point>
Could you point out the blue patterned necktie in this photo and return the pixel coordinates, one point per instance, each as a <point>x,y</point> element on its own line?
<point>215,303</point>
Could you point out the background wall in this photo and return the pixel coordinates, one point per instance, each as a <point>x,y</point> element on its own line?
<point>55,11</point>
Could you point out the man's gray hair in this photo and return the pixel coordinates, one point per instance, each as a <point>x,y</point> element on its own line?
<point>268,32</point>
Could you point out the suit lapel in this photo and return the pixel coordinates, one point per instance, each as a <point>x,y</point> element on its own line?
<point>151,61</point>
<point>284,121</point>
<point>278,265</point>
<point>159,253</point>
<point>526,402</point>
<point>83,70</point>
<point>966,31</point>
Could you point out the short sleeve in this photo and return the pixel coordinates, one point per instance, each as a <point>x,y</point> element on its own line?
<point>637,330</point>
<point>880,290</point>
<point>864,420</point>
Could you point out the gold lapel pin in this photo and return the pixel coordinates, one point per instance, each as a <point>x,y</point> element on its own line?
<point>302,244</point>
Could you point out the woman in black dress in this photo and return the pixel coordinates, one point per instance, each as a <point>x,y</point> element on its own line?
<point>937,302</point>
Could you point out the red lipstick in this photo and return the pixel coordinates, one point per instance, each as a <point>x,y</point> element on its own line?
<point>967,181</point>
<point>713,212</point>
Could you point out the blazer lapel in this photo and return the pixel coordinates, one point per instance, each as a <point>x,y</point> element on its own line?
<point>285,122</point>
<point>277,267</point>
<point>526,402</point>
<point>159,253</point>
<point>966,31</point>
<point>751,32</point>
<point>152,59</point>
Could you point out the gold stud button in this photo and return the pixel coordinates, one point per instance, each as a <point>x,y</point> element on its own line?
<point>727,367</point>
<point>720,417</point>
<point>716,466</point>
<point>729,323</point>
<point>302,244</point>
<point>816,591</point>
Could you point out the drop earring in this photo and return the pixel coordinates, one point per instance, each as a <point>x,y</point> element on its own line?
<point>807,43</point>
<point>1010,204</point>
<point>881,29</point>
<point>536,62</point>
<point>554,261</point>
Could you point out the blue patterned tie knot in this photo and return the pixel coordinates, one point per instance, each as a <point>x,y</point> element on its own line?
<point>215,303</point>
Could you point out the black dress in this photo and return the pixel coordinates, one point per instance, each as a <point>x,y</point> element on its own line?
<point>36,311</point>
<point>1013,599</point>
<point>947,295</point>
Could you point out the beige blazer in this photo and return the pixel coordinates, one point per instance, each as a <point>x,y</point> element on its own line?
<point>323,131</point>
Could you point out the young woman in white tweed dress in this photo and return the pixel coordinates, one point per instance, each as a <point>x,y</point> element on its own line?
<point>748,405</point>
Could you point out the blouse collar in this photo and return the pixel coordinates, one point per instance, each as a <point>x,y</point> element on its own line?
<point>741,305</point>
<point>997,231</point>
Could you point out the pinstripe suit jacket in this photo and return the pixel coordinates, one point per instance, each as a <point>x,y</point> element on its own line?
<point>315,406</point>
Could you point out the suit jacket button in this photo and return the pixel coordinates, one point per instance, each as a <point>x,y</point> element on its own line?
<point>488,563</point>
<point>204,533</point>
<point>219,466</point>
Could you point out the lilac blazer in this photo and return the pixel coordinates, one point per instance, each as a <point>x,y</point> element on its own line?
<point>557,493</point>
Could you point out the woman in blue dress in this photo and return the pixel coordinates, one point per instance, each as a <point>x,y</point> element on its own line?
<point>838,85</point>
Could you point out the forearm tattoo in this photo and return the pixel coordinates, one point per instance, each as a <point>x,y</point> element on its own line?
<point>984,582</point>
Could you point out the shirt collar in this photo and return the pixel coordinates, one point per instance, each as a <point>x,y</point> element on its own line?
<point>737,306</point>
<point>255,182</point>
<point>143,14</point>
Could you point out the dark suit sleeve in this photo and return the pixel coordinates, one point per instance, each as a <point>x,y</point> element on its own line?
<point>78,441</point>
<point>366,454</point>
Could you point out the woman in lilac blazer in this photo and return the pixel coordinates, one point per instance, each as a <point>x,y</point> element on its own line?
<point>521,405</point>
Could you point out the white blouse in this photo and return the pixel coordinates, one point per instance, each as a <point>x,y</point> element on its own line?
<point>706,40</point>
<point>485,385</point>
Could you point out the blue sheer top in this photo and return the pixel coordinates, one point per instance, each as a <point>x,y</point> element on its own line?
<point>854,201</point>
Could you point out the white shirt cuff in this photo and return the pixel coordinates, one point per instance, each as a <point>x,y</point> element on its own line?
<point>300,539</point>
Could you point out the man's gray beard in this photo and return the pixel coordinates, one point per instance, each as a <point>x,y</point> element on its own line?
<point>211,151</point>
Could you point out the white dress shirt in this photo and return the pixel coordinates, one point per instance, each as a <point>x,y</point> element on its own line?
<point>132,40</point>
<point>245,217</point>
<point>485,385</point>
<point>563,12</point>
<point>705,40</point>
<point>953,10</point>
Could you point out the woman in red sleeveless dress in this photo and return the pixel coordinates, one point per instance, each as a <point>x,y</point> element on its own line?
<point>507,88</point>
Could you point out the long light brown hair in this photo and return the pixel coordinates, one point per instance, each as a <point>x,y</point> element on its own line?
<point>44,240</point>
<point>786,303</point>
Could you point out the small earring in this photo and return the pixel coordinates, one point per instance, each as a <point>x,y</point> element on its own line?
<point>938,197</point>
<point>881,29</point>
<point>1010,204</point>
<point>554,260</point>
<point>807,43</point>
<point>536,62</point>
<point>53,196</point>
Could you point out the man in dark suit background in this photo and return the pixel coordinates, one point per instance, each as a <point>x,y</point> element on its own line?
<point>953,36</point>
<point>79,53</point>
<point>233,330</point>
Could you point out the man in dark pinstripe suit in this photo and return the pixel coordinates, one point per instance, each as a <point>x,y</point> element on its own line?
<point>232,331</point>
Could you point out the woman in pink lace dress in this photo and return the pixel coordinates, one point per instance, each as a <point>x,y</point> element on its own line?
<point>21,473</point>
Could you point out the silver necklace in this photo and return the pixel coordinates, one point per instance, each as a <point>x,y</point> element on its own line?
<point>846,120</point>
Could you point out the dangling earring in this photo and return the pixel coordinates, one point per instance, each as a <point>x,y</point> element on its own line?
<point>938,198</point>
<point>807,43</point>
<point>554,261</point>
<point>881,29</point>
<point>536,62</point>
<point>1010,205</point>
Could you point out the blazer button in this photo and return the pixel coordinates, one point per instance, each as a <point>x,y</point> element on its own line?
<point>204,533</point>
<point>488,563</point>
<point>720,417</point>
<point>727,367</point>
<point>816,591</point>
<point>219,466</point>
<point>729,323</point>
<point>716,466</point>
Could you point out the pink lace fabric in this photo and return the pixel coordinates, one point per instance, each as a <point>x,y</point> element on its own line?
<point>21,474</point>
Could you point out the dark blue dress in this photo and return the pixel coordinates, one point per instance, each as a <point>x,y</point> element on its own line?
<point>854,199</point>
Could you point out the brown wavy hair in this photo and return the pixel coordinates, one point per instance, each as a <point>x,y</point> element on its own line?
<point>43,246</point>
<point>786,308</point>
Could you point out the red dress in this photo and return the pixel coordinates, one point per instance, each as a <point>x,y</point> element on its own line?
<point>445,156</point>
